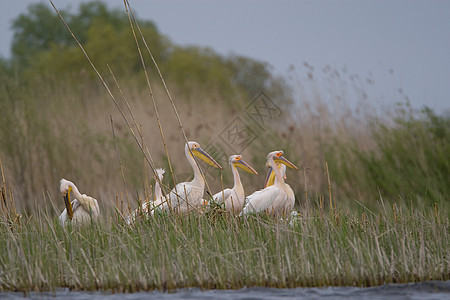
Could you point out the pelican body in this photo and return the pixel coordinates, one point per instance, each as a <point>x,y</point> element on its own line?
<point>80,210</point>
<point>150,205</point>
<point>274,198</point>
<point>234,198</point>
<point>187,196</point>
<point>270,180</point>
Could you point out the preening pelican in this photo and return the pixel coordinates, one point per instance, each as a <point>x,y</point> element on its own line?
<point>187,196</point>
<point>150,205</point>
<point>270,180</point>
<point>234,198</point>
<point>80,210</point>
<point>273,198</point>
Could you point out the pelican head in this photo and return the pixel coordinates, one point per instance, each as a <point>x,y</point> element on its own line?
<point>281,162</point>
<point>65,187</point>
<point>196,150</point>
<point>278,157</point>
<point>236,160</point>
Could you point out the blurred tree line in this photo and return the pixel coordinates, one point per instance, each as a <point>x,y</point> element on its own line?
<point>43,46</point>
<point>409,157</point>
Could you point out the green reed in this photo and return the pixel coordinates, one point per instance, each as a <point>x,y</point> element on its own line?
<point>217,250</point>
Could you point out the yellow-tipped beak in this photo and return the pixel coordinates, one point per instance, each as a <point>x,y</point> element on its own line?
<point>270,178</point>
<point>246,167</point>
<point>68,204</point>
<point>200,153</point>
<point>281,159</point>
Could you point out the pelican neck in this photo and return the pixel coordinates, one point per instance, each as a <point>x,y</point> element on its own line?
<point>278,177</point>
<point>75,191</point>
<point>236,177</point>
<point>197,174</point>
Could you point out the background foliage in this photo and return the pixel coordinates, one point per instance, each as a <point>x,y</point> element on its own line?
<point>56,119</point>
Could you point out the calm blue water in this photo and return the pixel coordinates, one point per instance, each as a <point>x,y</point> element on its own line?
<point>421,291</point>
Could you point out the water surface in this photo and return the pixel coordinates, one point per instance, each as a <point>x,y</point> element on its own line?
<point>430,290</point>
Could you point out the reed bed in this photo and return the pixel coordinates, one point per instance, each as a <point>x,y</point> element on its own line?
<point>217,250</point>
<point>341,237</point>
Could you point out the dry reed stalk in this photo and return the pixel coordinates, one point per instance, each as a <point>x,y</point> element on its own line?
<point>121,203</point>
<point>150,90</point>
<point>142,144</point>
<point>147,155</point>
<point>395,214</point>
<point>128,8</point>
<point>123,98</point>
<point>147,192</point>
<point>117,201</point>
<point>118,157</point>
<point>436,212</point>
<point>3,190</point>
<point>3,200</point>
<point>306,187</point>
<point>149,159</point>
<point>8,207</point>
<point>329,189</point>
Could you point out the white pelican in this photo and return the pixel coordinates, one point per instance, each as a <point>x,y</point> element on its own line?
<point>273,198</point>
<point>187,196</point>
<point>82,209</point>
<point>270,180</point>
<point>155,203</point>
<point>234,197</point>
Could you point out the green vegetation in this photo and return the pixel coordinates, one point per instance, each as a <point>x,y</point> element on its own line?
<point>222,251</point>
<point>409,160</point>
<point>386,177</point>
<point>40,37</point>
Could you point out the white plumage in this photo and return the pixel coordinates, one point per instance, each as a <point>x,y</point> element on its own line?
<point>275,198</point>
<point>149,206</point>
<point>82,209</point>
<point>234,198</point>
<point>270,179</point>
<point>188,196</point>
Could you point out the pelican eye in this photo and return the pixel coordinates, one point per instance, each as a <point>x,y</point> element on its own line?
<point>238,158</point>
<point>279,154</point>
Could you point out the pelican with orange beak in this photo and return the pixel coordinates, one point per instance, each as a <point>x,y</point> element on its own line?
<point>234,198</point>
<point>80,210</point>
<point>273,198</point>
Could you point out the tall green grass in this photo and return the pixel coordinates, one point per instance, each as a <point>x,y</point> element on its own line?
<point>216,250</point>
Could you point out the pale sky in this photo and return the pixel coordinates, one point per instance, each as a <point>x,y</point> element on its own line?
<point>401,44</point>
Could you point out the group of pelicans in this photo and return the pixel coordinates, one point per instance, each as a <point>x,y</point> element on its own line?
<point>276,198</point>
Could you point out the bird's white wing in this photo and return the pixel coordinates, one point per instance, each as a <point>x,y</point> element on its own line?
<point>261,200</point>
<point>221,196</point>
<point>185,196</point>
<point>63,217</point>
<point>290,202</point>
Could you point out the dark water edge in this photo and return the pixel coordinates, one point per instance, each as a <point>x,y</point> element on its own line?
<point>429,290</point>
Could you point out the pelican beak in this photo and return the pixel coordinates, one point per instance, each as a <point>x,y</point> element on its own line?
<point>200,153</point>
<point>68,203</point>
<point>245,166</point>
<point>270,178</point>
<point>281,159</point>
